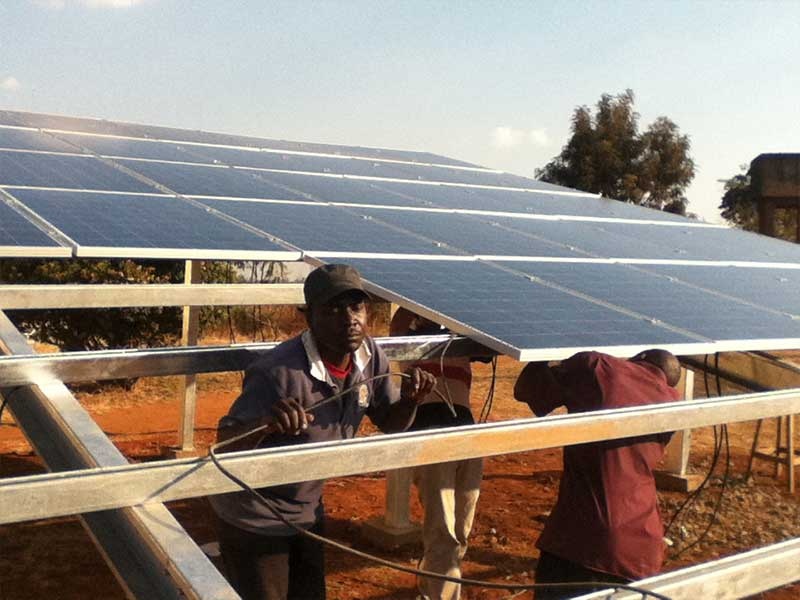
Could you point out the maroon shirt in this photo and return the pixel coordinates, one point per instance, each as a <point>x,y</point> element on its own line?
<point>606,517</point>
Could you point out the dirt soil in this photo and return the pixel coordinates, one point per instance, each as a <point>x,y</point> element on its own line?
<point>55,559</point>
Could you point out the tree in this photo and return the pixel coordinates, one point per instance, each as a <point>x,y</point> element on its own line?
<point>738,207</point>
<point>607,155</point>
<point>106,328</point>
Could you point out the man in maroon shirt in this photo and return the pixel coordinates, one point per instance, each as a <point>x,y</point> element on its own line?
<point>605,526</point>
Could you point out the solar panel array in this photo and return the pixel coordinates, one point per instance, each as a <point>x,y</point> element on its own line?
<point>531,269</point>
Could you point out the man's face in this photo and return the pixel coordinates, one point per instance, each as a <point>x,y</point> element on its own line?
<point>339,325</point>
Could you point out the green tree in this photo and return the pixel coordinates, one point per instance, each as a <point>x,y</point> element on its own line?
<point>606,154</point>
<point>739,208</point>
<point>104,328</point>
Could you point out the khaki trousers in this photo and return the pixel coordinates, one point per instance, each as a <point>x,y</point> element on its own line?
<point>449,493</point>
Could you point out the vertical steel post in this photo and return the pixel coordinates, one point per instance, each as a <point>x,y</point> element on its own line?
<point>191,328</point>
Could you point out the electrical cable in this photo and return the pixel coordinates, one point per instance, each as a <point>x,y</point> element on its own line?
<point>449,399</point>
<point>486,409</point>
<point>719,439</point>
<point>212,452</point>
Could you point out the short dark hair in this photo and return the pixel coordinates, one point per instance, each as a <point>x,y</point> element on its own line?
<point>664,360</point>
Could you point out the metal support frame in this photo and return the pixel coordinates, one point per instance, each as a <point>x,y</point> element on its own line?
<point>70,367</point>
<point>674,474</point>
<point>189,336</point>
<point>738,576</point>
<point>148,551</point>
<point>99,489</point>
<point>24,297</point>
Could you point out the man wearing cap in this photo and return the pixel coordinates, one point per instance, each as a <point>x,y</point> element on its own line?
<point>265,558</point>
<point>605,526</point>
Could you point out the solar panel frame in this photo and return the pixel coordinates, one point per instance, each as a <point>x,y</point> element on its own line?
<point>712,316</point>
<point>121,129</point>
<point>20,238</point>
<point>301,224</point>
<point>121,225</point>
<point>20,138</point>
<point>397,281</point>
<point>67,171</point>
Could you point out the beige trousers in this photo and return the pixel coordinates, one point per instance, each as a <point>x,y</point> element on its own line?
<point>449,493</point>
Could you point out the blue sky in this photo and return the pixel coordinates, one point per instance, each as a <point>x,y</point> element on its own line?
<point>493,83</point>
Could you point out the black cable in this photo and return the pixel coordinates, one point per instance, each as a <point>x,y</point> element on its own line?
<point>719,439</point>
<point>212,452</point>
<point>487,404</point>
<point>692,497</point>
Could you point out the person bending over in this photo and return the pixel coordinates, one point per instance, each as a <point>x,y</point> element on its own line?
<point>605,526</point>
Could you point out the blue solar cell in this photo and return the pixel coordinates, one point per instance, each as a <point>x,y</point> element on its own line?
<point>510,308</point>
<point>705,243</point>
<point>200,180</point>
<point>16,230</point>
<point>338,189</point>
<point>596,239</point>
<point>152,150</point>
<point>470,234</point>
<point>324,228</point>
<point>778,289</point>
<point>661,298</point>
<point>303,162</point>
<point>24,119</point>
<point>447,196</point>
<point>28,139</point>
<point>145,222</point>
<point>73,172</point>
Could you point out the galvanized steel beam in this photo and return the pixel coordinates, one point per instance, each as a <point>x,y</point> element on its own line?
<point>19,297</point>
<point>70,493</point>
<point>122,364</point>
<point>146,548</point>
<point>738,576</point>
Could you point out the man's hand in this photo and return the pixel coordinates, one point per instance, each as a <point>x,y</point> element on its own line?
<point>289,416</point>
<point>417,386</point>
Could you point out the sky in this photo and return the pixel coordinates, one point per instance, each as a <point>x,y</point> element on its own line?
<point>490,82</point>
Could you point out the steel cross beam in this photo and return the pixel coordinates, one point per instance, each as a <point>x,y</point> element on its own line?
<point>149,552</point>
<point>58,494</point>
<point>737,576</point>
<point>121,364</point>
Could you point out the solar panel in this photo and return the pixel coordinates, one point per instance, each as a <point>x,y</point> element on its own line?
<point>776,289</point>
<point>544,202</point>
<point>471,235</point>
<point>322,230</point>
<point>205,180</point>
<point>658,298</point>
<point>338,189</point>
<point>64,171</point>
<point>134,148</point>
<point>142,226</point>
<point>29,139</point>
<point>530,268</point>
<point>509,310</point>
<point>20,238</point>
<point>100,126</point>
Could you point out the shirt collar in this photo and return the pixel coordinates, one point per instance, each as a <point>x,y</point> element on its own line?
<point>360,357</point>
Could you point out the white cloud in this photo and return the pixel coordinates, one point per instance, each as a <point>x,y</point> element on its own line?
<point>508,137</point>
<point>9,84</point>
<point>60,4</point>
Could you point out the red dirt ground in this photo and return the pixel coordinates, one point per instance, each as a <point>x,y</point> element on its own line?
<point>55,558</point>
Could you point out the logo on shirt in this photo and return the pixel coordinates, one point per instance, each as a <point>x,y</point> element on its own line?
<point>363,396</point>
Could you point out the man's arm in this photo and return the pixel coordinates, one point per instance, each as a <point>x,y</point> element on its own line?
<point>539,386</point>
<point>413,390</point>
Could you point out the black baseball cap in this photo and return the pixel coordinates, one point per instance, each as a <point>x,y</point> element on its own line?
<point>328,281</point>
